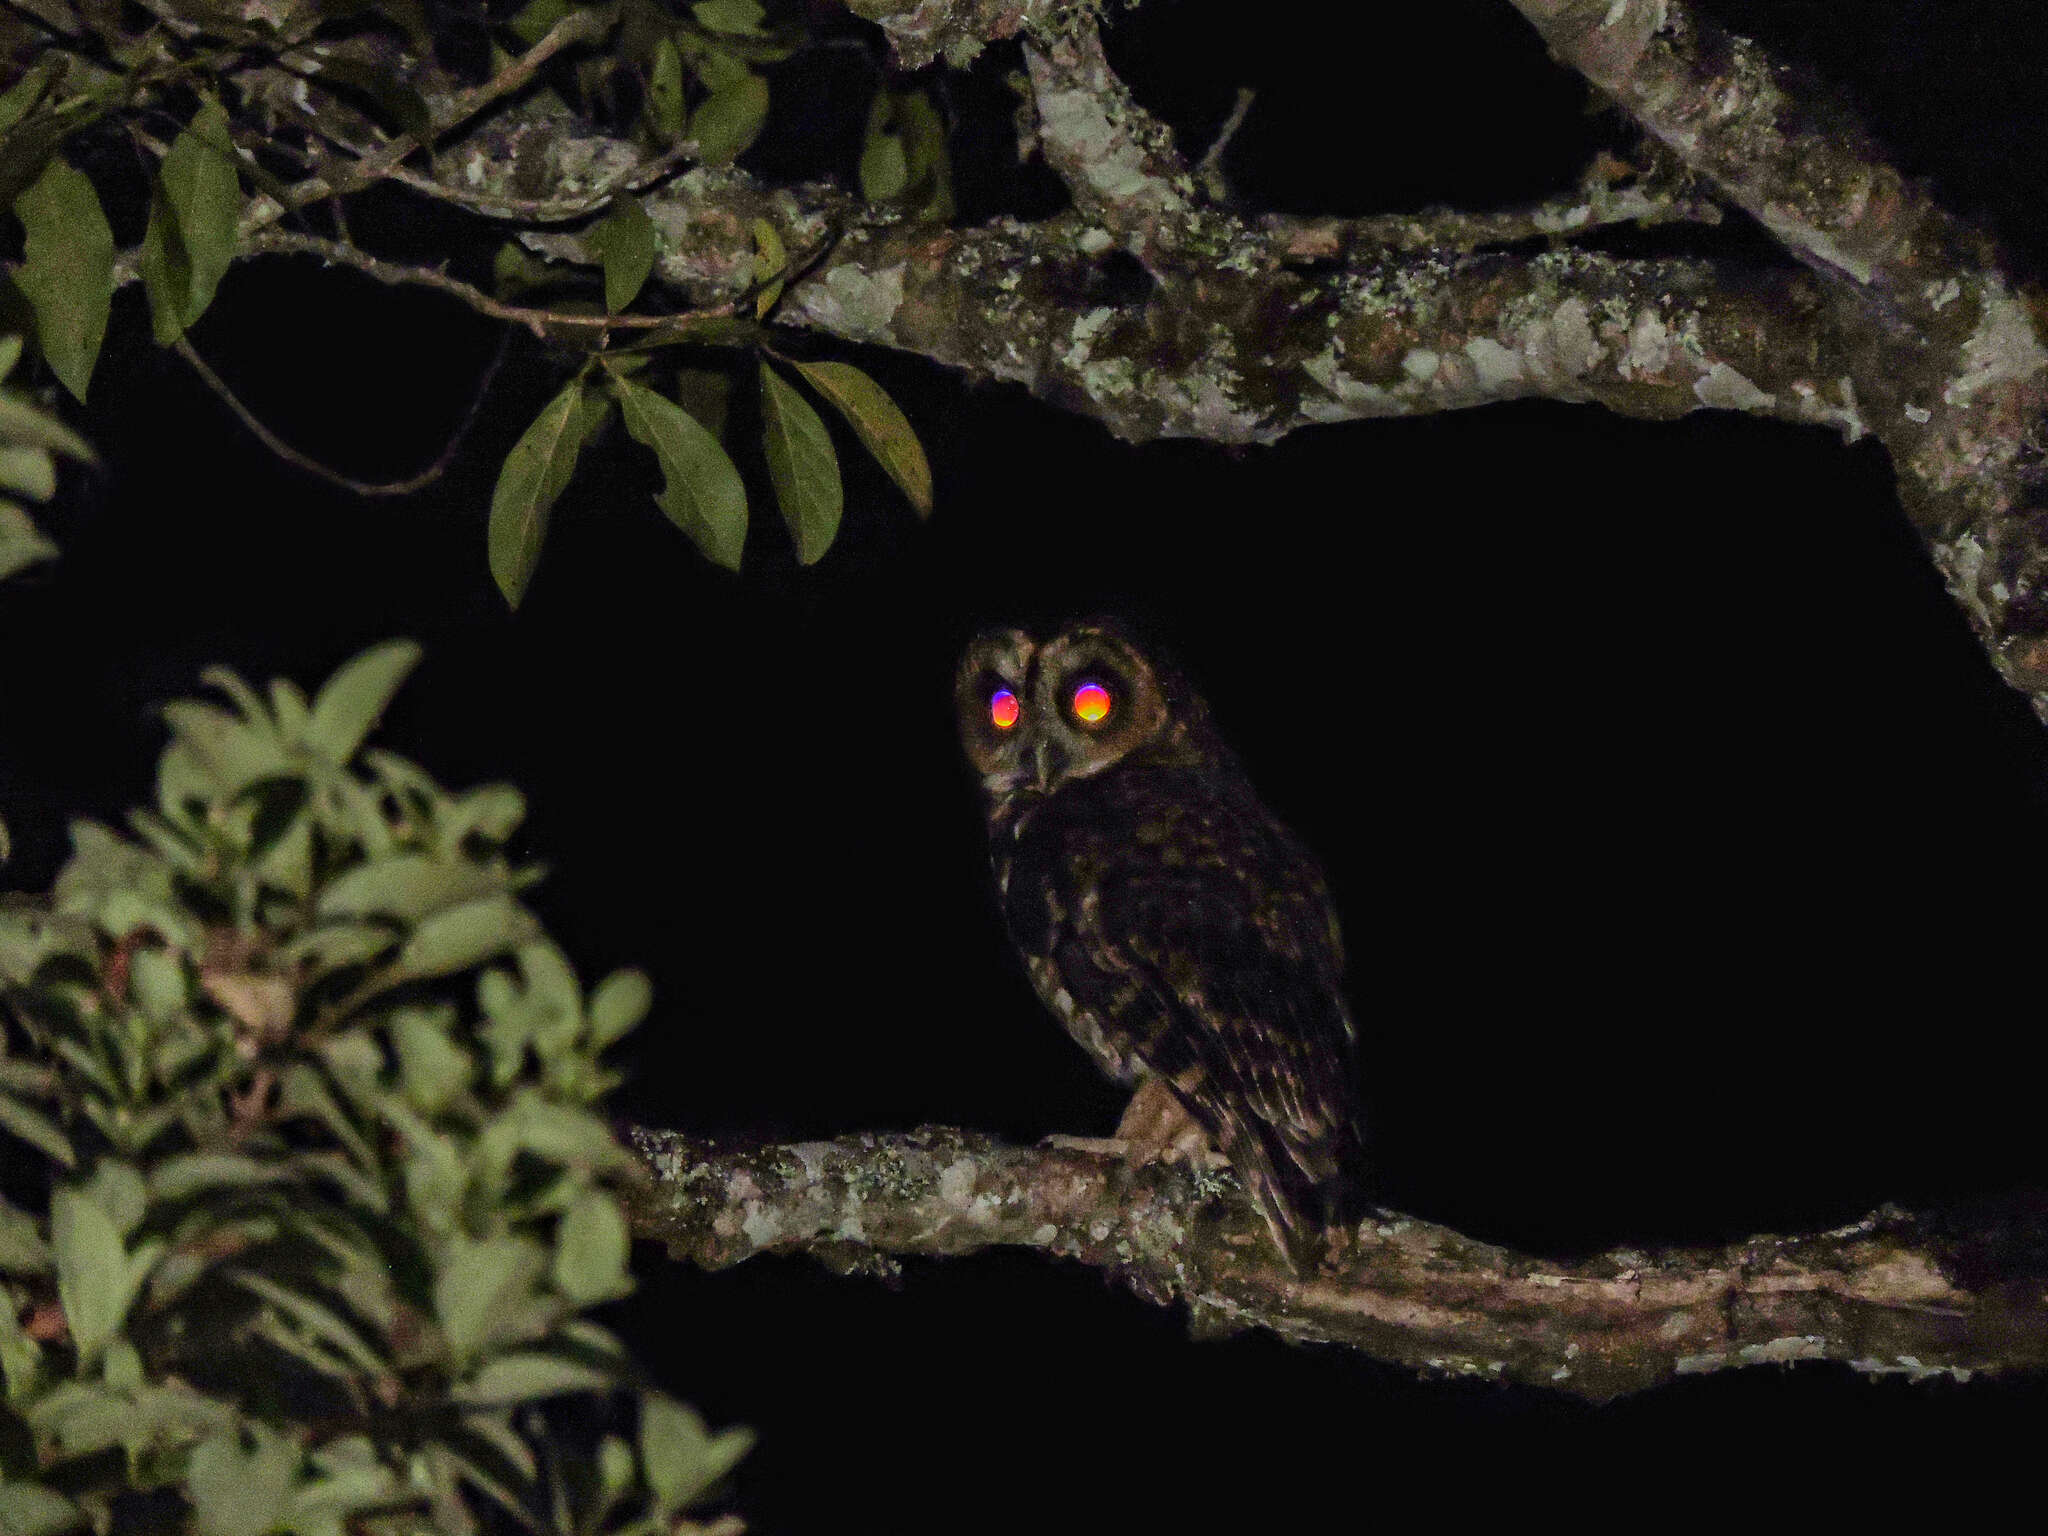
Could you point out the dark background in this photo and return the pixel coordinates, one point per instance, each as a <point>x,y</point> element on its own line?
<point>1688,848</point>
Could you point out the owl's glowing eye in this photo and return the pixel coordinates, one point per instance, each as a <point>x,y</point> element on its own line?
<point>1091,703</point>
<point>1002,708</point>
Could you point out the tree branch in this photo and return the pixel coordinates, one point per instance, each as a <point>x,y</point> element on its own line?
<point>1892,1294</point>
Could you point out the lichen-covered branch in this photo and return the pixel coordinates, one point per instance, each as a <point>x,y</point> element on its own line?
<point>1949,365</point>
<point>1892,1294</point>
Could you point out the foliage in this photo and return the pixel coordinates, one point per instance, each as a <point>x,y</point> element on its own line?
<point>321,1195</point>
<point>276,113</point>
<point>30,440</point>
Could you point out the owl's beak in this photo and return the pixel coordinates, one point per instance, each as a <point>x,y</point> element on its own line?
<point>1047,758</point>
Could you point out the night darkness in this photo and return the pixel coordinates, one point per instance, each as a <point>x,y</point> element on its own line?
<point>1688,847</point>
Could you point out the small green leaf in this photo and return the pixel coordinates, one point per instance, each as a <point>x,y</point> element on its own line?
<point>535,473</point>
<point>22,423</point>
<point>665,90</point>
<point>315,1319</point>
<point>771,262</point>
<point>802,466</point>
<point>679,1459</point>
<point>398,103</point>
<point>408,886</point>
<point>880,425</point>
<point>237,1492</point>
<point>350,703</point>
<point>68,271</point>
<point>730,118</point>
<point>537,18</point>
<point>33,1127</point>
<point>625,242</point>
<point>29,472</point>
<point>458,937</point>
<point>185,1174</point>
<point>22,1249</point>
<point>480,1285</point>
<point>30,1509</point>
<point>742,18</point>
<point>884,168</point>
<point>433,1068</point>
<point>21,544</point>
<point>701,492</point>
<point>591,1248</point>
<point>620,1002</point>
<point>194,211</point>
<point>530,1376</point>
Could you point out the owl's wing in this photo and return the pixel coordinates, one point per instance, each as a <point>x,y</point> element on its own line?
<point>1214,950</point>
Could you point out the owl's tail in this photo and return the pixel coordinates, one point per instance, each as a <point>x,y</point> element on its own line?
<point>1308,1183</point>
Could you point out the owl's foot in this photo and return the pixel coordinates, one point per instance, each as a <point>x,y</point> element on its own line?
<point>1157,1128</point>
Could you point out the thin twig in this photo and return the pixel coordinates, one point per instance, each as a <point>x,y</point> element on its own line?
<point>312,466</point>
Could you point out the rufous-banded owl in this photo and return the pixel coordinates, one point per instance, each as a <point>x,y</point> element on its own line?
<point>1178,930</point>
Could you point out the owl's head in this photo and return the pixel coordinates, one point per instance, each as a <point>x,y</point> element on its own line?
<point>1038,715</point>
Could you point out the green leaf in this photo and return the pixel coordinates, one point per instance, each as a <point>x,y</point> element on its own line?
<point>742,18</point>
<point>537,18</point>
<point>433,1068</point>
<point>884,167</point>
<point>529,1376</point>
<point>458,937</point>
<point>194,210</point>
<point>679,1459</point>
<point>316,1320</point>
<point>535,473</point>
<point>665,90</point>
<point>29,472</point>
<point>701,493</point>
<point>22,423</point>
<point>591,1249</point>
<point>880,425</point>
<point>625,242</point>
<point>350,703</point>
<point>97,1278</point>
<point>237,1492</point>
<point>68,271</point>
<point>22,1249</point>
<point>21,545</point>
<point>620,1002</point>
<point>33,1127</point>
<point>408,886</point>
<point>399,105</point>
<point>185,1174</point>
<point>481,1284</point>
<point>230,753</point>
<point>730,118</point>
<point>30,1509</point>
<point>802,466</point>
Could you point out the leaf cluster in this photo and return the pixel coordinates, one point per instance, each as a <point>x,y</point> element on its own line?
<point>321,1196</point>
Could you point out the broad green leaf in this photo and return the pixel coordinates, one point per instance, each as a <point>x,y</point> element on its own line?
<point>730,118</point>
<point>535,473</point>
<point>665,90</point>
<point>35,1128</point>
<point>407,885</point>
<point>625,242</point>
<point>591,1249</point>
<point>480,1285</point>
<point>231,753</point>
<point>68,271</point>
<point>882,428</point>
<point>620,1002</point>
<point>802,466</point>
<point>701,493</point>
<point>237,1492</point>
<point>190,242</point>
<point>28,90</point>
<point>398,103</point>
<point>349,704</point>
<point>884,167</point>
<point>534,21</point>
<point>30,1509</point>
<point>678,1457</point>
<point>21,545</point>
<point>116,1188</point>
<point>29,472</point>
<point>156,978</point>
<point>97,1277</point>
<point>433,1068</point>
<point>529,1376</point>
<point>455,938</point>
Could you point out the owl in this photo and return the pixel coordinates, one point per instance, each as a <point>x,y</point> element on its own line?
<point>1178,930</point>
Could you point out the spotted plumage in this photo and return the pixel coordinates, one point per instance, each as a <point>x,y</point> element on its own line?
<point>1176,928</point>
